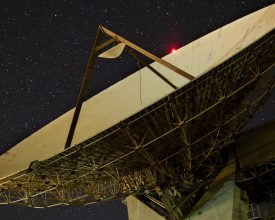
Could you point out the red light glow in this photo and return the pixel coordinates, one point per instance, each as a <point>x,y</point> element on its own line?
<point>173,50</point>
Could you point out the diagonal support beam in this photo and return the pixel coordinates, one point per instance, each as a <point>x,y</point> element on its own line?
<point>135,56</point>
<point>147,54</point>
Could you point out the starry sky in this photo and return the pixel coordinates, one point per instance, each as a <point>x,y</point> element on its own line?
<point>44,48</point>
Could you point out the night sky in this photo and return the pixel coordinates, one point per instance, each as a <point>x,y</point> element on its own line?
<point>44,48</point>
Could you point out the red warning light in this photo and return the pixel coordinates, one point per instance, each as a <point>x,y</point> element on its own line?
<point>173,50</point>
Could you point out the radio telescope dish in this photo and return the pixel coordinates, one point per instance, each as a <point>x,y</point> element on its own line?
<point>193,102</point>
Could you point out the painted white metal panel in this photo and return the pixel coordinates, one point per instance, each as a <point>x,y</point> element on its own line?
<point>225,203</point>
<point>138,210</point>
<point>122,100</point>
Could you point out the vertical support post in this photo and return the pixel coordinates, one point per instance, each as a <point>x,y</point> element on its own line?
<point>84,88</point>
